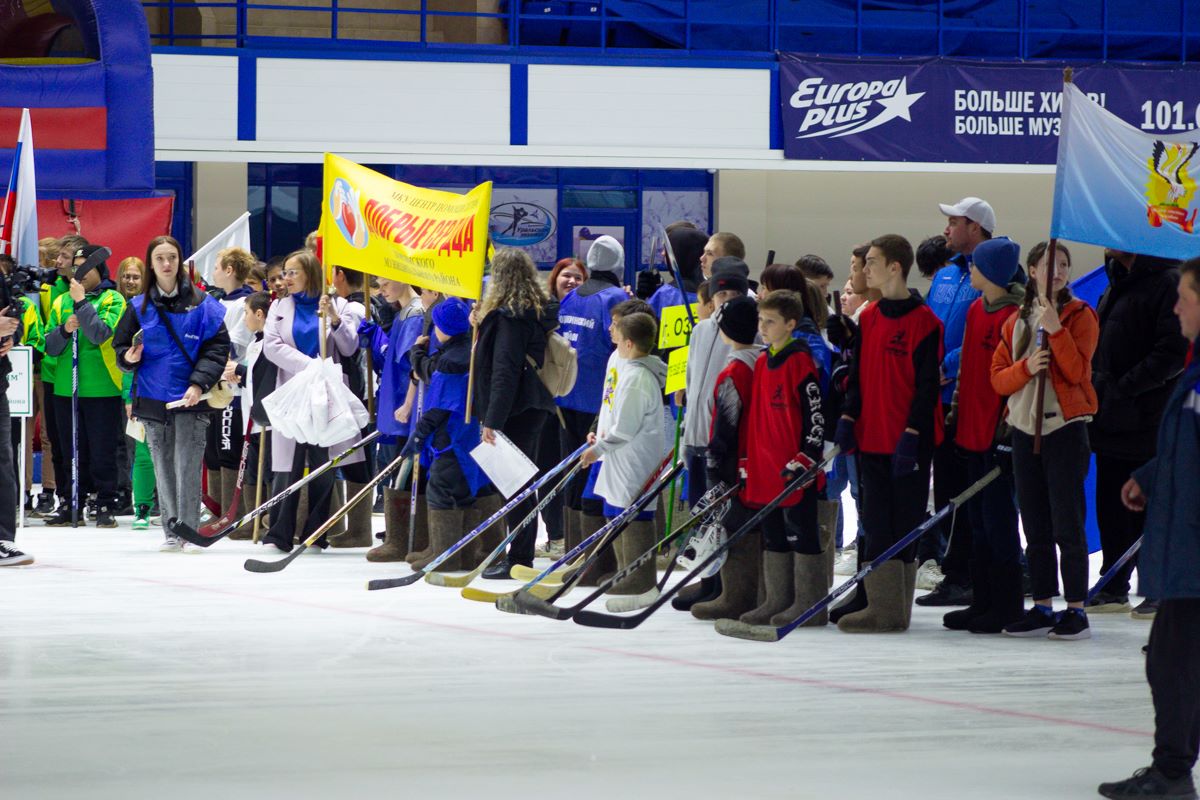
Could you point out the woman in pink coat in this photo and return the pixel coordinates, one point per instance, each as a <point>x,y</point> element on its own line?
<point>291,340</point>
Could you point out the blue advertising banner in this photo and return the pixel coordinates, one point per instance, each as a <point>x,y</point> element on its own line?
<point>939,110</point>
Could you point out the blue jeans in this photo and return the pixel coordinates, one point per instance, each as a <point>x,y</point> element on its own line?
<point>836,481</point>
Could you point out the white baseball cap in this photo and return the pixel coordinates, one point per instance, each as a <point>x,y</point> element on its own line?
<point>973,209</point>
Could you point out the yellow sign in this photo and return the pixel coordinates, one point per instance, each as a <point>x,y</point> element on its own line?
<point>433,239</point>
<point>674,327</point>
<point>676,370</point>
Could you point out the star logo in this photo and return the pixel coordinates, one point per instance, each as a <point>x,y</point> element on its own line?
<point>897,106</point>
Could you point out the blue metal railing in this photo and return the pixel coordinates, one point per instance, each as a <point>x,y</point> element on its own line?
<point>752,29</point>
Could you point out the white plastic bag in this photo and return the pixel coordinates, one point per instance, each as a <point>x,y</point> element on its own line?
<point>315,406</point>
<point>288,406</point>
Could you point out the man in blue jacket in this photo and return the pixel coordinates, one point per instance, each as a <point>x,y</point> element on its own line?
<point>1169,563</point>
<point>969,223</point>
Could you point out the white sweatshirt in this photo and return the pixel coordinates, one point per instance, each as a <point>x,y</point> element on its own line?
<point>629,430</point>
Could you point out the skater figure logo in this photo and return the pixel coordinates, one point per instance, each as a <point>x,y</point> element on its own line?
<point>1170,188</point>
<point>898,344</point>
<point>343,205</point>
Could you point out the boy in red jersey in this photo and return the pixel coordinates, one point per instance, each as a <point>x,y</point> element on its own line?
<point>893,417</point>
<point>784,435</point>
<point>978,410</point>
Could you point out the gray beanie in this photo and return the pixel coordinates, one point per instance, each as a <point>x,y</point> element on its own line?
<point>606,255</point>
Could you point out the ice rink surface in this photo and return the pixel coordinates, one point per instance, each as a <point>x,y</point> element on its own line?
<point>129,673</point>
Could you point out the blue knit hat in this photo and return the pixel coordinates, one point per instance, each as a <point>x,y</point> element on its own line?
<point>452,316</point>
<point>998,259</point>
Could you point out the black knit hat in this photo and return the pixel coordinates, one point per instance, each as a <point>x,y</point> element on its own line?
<point>738,319</point>
<point>94,256</point>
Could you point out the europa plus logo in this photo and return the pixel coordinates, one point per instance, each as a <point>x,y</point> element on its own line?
<point>843,109</point>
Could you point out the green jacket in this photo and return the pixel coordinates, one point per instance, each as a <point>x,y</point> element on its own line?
<point>99,375</point>
<point>49,293</point>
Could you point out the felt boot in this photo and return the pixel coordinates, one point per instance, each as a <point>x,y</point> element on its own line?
<point>445,528</point>
<point>739,581</point>
<point>572,527</point>
<point>395,528</point>
<point>420,523</point>
<point>910,589</point>
<point>827,519</point>
<point>633,541</point>
<point>213,489</point>
<point>606,563</point>
<point>777,579</point>
<point>482,545</point>
<point>358,521</point>
<point>857,600</point>
<point>981,600</point>
<point>245,503</point>
<point>886,610</point>
<point>1007,602</point>
<point>808,580</point>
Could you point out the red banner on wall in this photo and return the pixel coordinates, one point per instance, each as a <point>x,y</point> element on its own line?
<point>124,226</point>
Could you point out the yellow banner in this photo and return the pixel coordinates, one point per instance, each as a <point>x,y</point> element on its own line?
<point>674,326</point>
<point>433,239</point>
<point>676,370</point>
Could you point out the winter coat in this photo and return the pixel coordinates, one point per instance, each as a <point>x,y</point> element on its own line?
<point>443,431</point>
<point>950,295</point>
<point>99,375</point>
<point>505,382</point>
<point>630,428</point>
<point>240,336</point>
<point>190,310</point>
<point>279,347</point>
<point>1139,356</point>
<point>1071,351</point>
<point>584,317</point>
<point>46,297</point>
<point>730,413</point>
<point>1169,562</point>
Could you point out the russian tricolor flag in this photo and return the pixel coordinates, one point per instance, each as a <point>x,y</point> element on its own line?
<point>18,224</point>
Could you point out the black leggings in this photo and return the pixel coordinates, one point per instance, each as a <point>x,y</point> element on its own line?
<point>891,506</point>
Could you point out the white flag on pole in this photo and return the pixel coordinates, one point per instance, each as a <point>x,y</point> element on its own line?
<point>236,235</point>
<point>18,207</point>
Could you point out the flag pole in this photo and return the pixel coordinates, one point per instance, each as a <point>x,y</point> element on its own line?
<point>1043,344</point>
<point>370,361</point>
<point>475,337</point>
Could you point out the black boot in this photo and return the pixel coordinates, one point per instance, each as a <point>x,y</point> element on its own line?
<point>1007,603</point>
<point>707,589</point>
<point>981,599</point>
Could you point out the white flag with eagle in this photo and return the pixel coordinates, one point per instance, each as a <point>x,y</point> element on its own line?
<point>1119,187</point>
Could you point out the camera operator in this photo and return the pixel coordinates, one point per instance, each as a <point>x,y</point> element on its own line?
<point>10,331</point>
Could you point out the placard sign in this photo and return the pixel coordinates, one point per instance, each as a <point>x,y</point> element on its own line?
<point>20,382</point>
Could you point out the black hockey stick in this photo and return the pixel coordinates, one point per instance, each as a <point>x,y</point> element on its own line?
<point>190,534</point>
<point>603,538</point>
<point>527,603</point>
<point>210,528</point>
<point>514,501</point>
<point>770,633</point>
<point>594,619</point>
<point>256,565</point>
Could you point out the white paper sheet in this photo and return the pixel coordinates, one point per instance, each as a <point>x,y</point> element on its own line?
<point>505,465</point>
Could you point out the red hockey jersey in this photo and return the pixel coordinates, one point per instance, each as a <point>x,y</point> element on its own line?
<point>979,407</point>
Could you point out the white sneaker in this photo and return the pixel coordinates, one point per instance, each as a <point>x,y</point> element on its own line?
<point>929,575</point>
<point>10,556</point>
<point>172,544</point>
<point>847,562</point>
<point>553,549</point>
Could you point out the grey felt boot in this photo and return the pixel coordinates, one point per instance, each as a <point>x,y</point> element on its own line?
<point>777,577</point>
<point>887,593</point>
<point>739,582</point>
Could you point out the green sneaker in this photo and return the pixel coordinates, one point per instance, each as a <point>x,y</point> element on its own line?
<point>141,521</point>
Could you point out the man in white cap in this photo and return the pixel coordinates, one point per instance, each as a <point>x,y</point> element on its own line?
<point>970,222</point>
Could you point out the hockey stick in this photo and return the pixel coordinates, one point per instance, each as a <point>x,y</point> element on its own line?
<point>255,565</point>
<point>770,633</point>
<point>595,619</point>
<point>1114,569</point>
<point>211,503</point>
<point>514,501</point>
<point>459,581</point>
<point>211,527</point>
<point>258,480</point>
<point>525,603</point>
<point>603,538</point>
<point>523,573</point>
<point>75,429</point>
<point>416,474</point>
<point>189,534</point>
<point>546,582</point>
